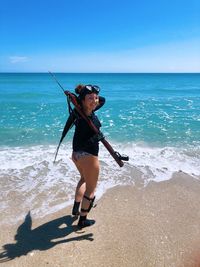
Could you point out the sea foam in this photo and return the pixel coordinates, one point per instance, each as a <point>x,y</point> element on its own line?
<point>30,179</point>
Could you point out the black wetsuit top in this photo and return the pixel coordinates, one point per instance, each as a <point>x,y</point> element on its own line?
<point>83,133</point>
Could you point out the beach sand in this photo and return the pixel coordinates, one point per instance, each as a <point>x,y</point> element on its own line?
<point>156,225</point>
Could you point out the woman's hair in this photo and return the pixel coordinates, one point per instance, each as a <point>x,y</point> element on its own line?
<point>79,88</point>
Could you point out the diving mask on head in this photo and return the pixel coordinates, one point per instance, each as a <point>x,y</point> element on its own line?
<point>92,89</point>
<point>89,89</point>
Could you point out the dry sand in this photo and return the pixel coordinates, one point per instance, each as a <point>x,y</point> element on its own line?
<point>158,225</point>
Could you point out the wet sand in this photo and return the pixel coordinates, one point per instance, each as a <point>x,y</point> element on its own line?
<point>156,225</point>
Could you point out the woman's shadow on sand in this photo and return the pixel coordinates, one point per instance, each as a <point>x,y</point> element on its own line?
<point>42,237</point>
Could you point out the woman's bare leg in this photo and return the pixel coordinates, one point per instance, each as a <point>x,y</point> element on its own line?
<point>88,167</point>
<point>80,190</point>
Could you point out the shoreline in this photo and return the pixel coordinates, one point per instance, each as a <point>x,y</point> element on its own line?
<point>30,180</point>
<point>156,225</point>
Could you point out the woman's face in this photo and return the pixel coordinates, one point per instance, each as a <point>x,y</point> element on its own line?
<point>90,102</point>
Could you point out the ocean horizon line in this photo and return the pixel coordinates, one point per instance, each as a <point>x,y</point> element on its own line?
<point>43,72</point>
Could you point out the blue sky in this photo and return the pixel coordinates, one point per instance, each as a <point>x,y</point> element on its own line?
<point>100,36</point>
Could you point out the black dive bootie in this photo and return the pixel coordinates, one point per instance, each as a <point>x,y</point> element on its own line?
<point>84,222</point>
<point>75,209</point>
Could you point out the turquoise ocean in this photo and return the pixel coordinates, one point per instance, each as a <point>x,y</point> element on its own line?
<point>153,118</point>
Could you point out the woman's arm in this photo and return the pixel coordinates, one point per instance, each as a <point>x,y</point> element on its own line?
<point>69,123</point>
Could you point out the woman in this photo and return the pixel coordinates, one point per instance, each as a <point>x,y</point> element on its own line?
<point>85,150</point>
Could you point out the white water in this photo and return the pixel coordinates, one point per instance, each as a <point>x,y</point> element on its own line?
<point>30,181</point>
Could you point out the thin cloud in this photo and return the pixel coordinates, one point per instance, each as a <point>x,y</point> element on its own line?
<point>18,59</point>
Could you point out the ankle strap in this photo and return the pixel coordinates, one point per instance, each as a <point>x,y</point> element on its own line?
<point>91,200</point>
